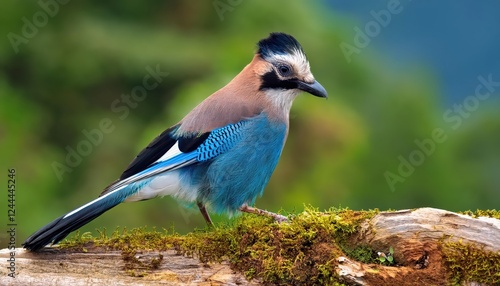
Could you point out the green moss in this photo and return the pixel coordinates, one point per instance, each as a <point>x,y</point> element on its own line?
<point>362,253</point>
<point>303,251</point>
<point>467,263</point>
<point>484,213</point>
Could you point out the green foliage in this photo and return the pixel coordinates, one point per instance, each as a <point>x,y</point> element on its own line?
<point>67,77</point>
<point>387,258</point>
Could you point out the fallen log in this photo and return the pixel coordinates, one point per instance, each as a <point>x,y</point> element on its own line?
<point>423,246</point>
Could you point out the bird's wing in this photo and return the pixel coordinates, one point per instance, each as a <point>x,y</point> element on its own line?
<point>169,152</point>
<point>154,151</point>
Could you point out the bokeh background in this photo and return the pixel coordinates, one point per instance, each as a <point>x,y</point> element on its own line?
<point>66,66</point>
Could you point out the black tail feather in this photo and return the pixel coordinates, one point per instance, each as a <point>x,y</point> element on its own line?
<point>62,226</point>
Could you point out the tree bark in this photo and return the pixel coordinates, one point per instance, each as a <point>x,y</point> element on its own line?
<point>417,237</point>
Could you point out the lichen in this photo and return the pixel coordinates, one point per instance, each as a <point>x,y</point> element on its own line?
<point>301,252</point>
<point>468,263</point>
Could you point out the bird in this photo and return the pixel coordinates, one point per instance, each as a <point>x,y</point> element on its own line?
<point>221,155</point>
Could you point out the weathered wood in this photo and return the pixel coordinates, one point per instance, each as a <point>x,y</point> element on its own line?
<point>417,227</point>
<point>99,267</point>
<point>416,236</point>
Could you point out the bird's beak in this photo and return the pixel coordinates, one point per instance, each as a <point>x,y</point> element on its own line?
<point>314,88</point>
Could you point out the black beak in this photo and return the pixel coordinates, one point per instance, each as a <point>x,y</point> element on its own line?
<point>314,88</point>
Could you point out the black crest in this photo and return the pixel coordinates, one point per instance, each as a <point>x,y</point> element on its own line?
<point>278,43</point>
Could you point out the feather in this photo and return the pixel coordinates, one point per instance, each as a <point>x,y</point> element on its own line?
<point>159,146</point>
<point>62,226</point>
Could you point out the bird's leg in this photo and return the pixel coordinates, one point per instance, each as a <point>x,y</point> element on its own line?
<point>252,210</point>
<point>205,214</point>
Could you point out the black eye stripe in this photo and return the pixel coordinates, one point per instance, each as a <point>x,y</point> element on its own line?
<point>271,80</point>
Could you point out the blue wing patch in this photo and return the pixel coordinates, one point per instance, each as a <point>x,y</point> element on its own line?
<point>220,141</point>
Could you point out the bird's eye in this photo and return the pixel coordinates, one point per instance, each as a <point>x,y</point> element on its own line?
<point>284,70</point>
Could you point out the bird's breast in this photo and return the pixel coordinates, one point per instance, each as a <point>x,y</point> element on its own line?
<point>239,176</point>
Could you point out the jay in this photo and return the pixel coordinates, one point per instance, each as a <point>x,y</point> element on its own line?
<point>221,155</point>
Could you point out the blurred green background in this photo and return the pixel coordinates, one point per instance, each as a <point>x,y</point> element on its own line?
<point>67,71</point>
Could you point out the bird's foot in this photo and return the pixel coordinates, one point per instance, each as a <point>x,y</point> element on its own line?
<point>277,217</point>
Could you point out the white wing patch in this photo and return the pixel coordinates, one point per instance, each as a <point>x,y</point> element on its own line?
<point>172,152</point>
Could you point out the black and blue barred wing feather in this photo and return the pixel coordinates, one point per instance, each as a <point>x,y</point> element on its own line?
<point>219,141</point>
<point>192,149</point>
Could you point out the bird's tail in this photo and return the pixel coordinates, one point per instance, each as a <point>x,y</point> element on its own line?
<point>62,226</point>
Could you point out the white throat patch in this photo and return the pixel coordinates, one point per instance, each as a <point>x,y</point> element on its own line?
<point>282,99</point>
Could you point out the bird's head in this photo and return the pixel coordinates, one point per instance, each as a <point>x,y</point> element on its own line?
<point>286,70</point>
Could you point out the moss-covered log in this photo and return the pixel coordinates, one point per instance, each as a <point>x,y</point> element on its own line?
<point>411,247</point>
